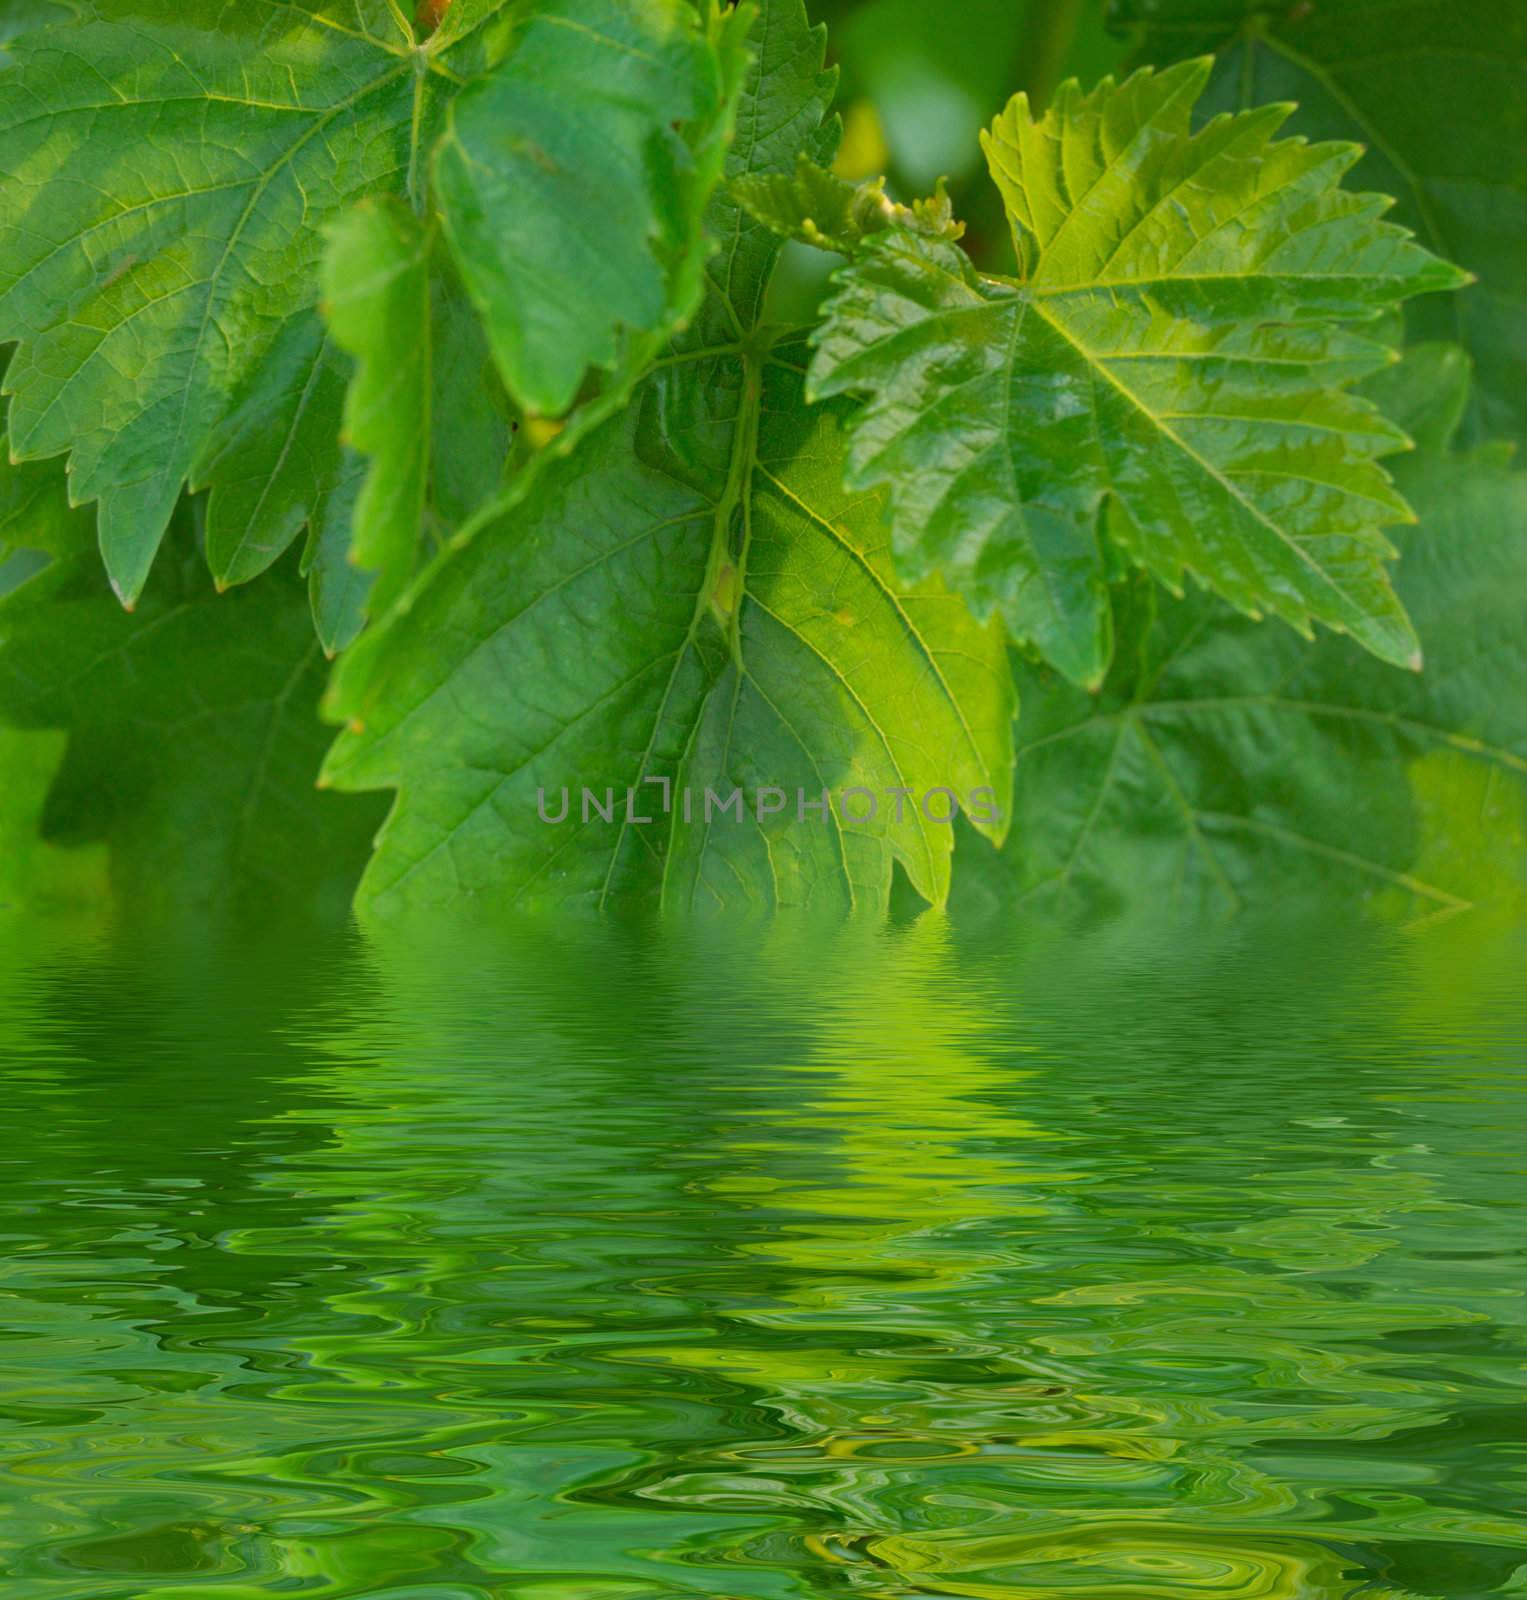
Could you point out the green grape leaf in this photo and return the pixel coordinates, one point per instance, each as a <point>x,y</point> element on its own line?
<point>377,300</point>
<point>1174,342</point>
<point>1223,763</point>
<point>274,465</point>
<point>169,167</point>
<point>514,324</point>
<point>790,663</point>
<point>1436,92</point>
<point>691,602</point>
<point>171,170</point>
<point>428,426</point>
<point>815,206</point>
<point>567,192</point>
<point>193,744</point>
<point>782,114</point>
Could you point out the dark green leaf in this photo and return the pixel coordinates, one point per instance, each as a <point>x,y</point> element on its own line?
<point>35,513</point>
<point>193,747</point>
<point>1226,764</point>
<point>35,876</point>
<point>275,464</point>
<point>1436,92</point>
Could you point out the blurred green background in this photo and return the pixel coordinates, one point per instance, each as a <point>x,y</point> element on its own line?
<point>919,79</point>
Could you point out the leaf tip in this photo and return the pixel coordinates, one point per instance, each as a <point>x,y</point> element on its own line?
<point>1415,662</point>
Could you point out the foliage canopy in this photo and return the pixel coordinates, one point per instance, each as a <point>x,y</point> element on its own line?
<point>432,372</point>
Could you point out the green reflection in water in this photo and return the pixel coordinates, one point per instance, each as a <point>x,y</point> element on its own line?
<point>795,1264</point>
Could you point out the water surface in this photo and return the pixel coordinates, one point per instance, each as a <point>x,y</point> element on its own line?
<point>922,1262</point>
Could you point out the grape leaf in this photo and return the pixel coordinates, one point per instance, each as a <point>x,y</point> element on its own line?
<point>817,207</point>
<point>487,198</point>
<point>274,464</point>
<point>192,740</point>
<point>170,169</point>
<point>1223,763</point>
<point>567,192</point>
<point>1437,93</point>
<point>166,164</point>
<point>782,114</point>
<point>378,305</point>
<point>690,597</point>
<point>1173,342</point>
<point>425,408</point>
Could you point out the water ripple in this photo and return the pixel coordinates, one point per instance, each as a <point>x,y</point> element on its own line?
<point>918,1262</point>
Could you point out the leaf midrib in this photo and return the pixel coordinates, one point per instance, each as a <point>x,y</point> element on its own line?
<point>1346,604</point>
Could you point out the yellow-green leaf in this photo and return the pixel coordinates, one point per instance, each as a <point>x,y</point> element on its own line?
<point>1176,340</point>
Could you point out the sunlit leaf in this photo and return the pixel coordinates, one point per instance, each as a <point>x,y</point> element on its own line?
<point>1436,94</point>
<point>819,208</point>
<point>1175,341</point>
<point>377,302</point>
<point>691,598</point>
